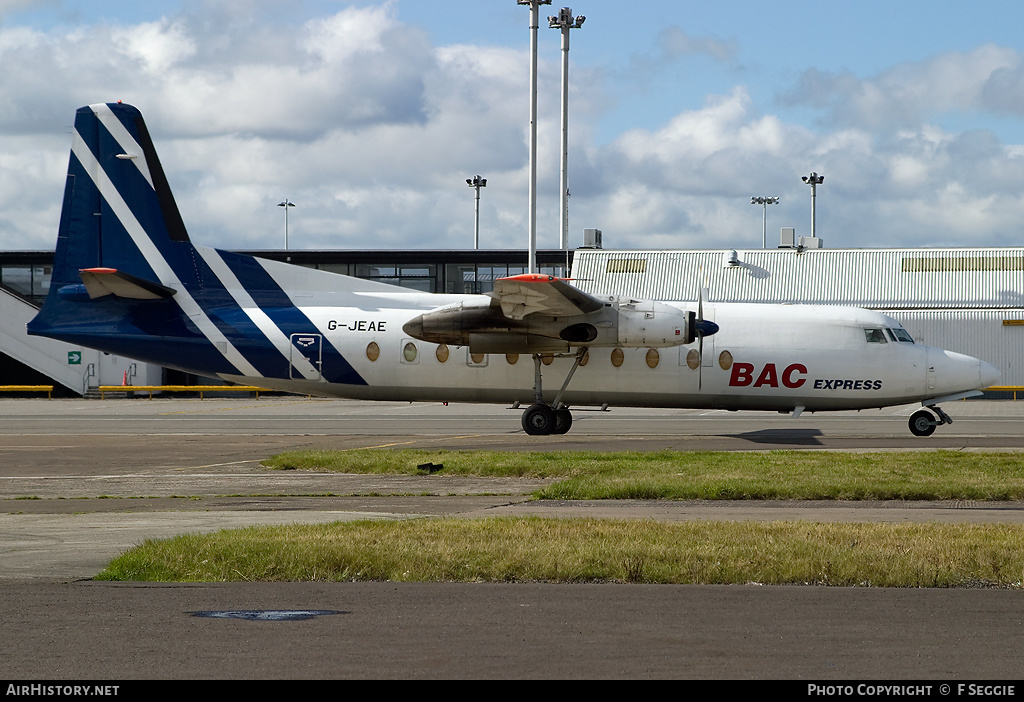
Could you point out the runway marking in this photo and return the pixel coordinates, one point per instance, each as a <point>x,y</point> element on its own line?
<point>217,465</point>
<point>229,409</point>
<point>34,448</point>
<point>77,477</point>
<point>406,443</point>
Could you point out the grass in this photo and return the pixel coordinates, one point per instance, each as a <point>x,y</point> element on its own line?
<point>589,550</point>
<point>520,549</point>
<point>678,475</point>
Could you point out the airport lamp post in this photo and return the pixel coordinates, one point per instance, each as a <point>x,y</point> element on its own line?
<point>565,21</point>
<point>764,202</point>
<point>286,204</point>
<point>814,180</point>
<point>477,182</point>
<point>534,25</point>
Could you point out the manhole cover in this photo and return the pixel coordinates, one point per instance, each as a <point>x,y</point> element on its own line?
<point>275,615</point>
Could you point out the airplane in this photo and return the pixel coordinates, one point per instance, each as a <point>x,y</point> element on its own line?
<point>127,280</point>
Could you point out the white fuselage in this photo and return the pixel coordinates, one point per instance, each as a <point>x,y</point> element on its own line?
<point>765,357</point>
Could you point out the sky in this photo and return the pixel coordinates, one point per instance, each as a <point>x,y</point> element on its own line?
<point>370,115</point>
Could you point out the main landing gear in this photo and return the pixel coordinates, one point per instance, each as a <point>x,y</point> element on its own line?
<point>541,419</point>
<point>923,422</point>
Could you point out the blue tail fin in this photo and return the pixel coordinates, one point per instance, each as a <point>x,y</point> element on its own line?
<point>121,239</point>
<point>127,280</point>
<point>118,209</point>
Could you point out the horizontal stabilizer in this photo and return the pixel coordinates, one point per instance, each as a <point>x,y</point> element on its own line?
<point>100,282</point>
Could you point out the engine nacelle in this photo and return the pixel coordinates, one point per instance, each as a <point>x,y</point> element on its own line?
<point>480,324</point>
<point>654,324</point>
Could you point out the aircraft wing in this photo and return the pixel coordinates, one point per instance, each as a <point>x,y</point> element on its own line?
<point>531,293</point>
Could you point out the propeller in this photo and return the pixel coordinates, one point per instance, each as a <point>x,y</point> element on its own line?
<point>702,328</point>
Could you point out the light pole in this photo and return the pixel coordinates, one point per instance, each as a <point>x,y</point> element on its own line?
<point>477,182</point>
<point>565,21</point>
<point>814,180</point>
<point>534,25</point>
<point>764,202</point>
<point>286,204</point>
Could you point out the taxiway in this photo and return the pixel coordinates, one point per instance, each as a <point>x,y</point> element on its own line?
<point>84,480</point>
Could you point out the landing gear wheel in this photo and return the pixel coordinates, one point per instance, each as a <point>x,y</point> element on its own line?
<point>922,423</point>
<point>563,421</point>
<point>539,420</point>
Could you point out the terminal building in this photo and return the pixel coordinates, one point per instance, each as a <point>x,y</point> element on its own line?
<point>969,300</point>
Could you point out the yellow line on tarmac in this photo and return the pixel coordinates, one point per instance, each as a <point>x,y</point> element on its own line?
<point>219,465</point>
<point>406,443</point>
<point>229,409</point>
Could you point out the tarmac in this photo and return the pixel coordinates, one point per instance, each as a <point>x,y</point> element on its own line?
<point>82,481</point>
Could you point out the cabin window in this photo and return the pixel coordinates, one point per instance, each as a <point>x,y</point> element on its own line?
<point>409,352</point>
<point>875,336</point>
<point>617,357</point>
<point>725,360</point>
<point>511,358</point>
<point>693,359</point>
<point>442,353</point>
<point>372,351</point>
<point>653,358</point>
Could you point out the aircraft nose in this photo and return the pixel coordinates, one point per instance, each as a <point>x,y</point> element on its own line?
<point>956,372</point>
<point>989,374</point>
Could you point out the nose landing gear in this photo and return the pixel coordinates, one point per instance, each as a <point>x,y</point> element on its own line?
<point>923,422</point>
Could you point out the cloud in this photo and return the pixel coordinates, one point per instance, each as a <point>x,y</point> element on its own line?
<point>675,42</point>
<point>686,183</point>
<point>158,46</point>
<point>372,130</point>
<point>352,103</point>
<point>11,6</point>
<point>357,68</point>
<point>912,93</point>
<point>722,150</point>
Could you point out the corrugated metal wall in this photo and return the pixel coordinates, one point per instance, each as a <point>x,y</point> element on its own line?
<point>957,299</point>
<point>874,278</point>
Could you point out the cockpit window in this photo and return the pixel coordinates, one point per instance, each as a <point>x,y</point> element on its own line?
<point>903,335</point>
<point>875,336</point>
